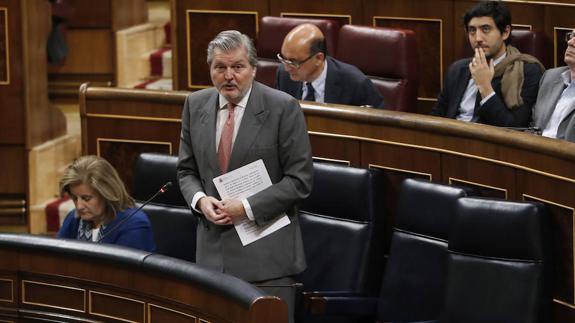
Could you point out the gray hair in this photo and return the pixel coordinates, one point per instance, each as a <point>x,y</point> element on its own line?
<point>229,40</point>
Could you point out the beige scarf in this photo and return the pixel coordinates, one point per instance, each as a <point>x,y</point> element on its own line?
<point>511,67</point>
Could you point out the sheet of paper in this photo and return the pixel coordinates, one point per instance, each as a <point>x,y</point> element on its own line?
<point>242,183</point>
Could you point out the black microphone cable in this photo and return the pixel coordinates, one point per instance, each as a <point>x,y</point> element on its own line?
<point>162,190</point>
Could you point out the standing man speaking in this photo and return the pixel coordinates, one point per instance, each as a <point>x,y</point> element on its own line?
<point>235,123</point>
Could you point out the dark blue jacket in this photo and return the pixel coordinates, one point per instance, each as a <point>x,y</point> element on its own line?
<point>135,233</point>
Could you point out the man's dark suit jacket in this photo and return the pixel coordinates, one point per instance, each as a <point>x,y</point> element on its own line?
<point>494,111</point>
<point>344,84</point>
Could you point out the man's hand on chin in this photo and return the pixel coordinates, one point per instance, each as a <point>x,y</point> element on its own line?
<point>482,72</point>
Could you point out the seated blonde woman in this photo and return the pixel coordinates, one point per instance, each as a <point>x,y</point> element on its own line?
<point>104,212</point>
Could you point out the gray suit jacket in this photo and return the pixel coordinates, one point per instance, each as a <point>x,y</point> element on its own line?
<point>550,90</point>
<point>272,129</point>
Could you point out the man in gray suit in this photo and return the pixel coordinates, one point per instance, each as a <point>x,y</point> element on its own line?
<point>268,125</point>
<point>554,110</point>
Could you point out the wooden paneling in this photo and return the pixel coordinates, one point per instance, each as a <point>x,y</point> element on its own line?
<point>347,11</point>
<point>341,18</point>
<point>112,14</point>
<point>127,13</point>
<point>6,290</point>
<point>91,45</point>
<point>26,118</point>
<point>162,314</point>
<point>333,149</point>
<point>92,52</point>
<point>90,14</point>
<point>432,21</point>
<point>438,24</point>
<point>201,28</point>
<point>557,195</point>
<point>197,19</point>
<point>4,50</point>
<point>59,283</point>
<point>116,307</point>
<point>40,294</point>
<point>558,21</point>
<point>429,37</point>
<point>475,173</point>
<point>12,109</point>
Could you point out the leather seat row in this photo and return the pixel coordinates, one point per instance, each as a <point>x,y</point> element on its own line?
<point>449,256</point>
<point>455,258</point>
<point>387,56</point>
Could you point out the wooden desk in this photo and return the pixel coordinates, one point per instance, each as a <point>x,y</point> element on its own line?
<point>117,124</point>
<point>44,279</point>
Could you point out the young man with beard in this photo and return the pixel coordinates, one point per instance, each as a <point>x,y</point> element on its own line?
<point>498,85</point>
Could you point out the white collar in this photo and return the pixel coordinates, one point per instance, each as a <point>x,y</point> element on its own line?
<point>243,102</point>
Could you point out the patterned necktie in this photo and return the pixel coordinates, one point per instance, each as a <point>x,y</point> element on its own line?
<point>310,95</point>
<point>225,146</point>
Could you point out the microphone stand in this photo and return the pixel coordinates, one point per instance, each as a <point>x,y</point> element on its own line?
<point>162,190</point>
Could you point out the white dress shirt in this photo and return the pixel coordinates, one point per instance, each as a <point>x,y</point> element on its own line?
<point>467,105</point>
<point>318,85</point>
<point>220,121</point>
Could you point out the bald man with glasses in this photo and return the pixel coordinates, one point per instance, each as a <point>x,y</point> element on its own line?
<point>554,111</point>
<point>309,74</point>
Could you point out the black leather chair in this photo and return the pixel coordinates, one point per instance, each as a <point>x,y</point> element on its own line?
<point>498,263</point>
<point>173,223</point>
<point>416,271</point>
<point>341,224</point>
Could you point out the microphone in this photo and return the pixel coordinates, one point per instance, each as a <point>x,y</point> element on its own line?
<point>162,190</point>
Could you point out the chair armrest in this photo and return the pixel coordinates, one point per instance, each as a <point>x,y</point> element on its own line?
<point>340,303</point>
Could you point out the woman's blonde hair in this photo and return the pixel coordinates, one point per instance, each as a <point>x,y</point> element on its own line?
<point>97,173</point>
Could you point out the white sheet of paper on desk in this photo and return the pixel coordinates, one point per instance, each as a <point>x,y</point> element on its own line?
<point>242,183</point>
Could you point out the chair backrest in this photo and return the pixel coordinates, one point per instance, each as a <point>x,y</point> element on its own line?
<point>341,228</point>
<point>173,223</point>
<point>388,57</point>
<point>498,253</point>
<point>271,36</point>
<point>151,172</point>
<point>414,282</point>
<point>532,42</point>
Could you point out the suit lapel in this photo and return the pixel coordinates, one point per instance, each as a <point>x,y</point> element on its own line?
<point>208,125</point>
<point>555,89</point>
<point>331,83</point>
<point>252,121</point>
<point>464,77</point>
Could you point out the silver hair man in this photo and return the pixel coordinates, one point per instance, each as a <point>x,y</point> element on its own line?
<point>232,39</point>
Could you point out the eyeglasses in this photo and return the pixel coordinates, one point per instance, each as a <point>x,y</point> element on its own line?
<point>569,35</point>
<point>293,63</point>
